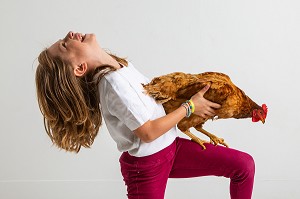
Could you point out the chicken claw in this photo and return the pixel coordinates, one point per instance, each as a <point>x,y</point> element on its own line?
<point>200,142</point>
<point>216,140</point>
<point>196,139</point>
<point>213,139</point>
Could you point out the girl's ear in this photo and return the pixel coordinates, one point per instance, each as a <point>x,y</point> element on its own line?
<point>80,70</point>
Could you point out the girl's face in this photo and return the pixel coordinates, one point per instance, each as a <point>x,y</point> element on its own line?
<point>77,49</point>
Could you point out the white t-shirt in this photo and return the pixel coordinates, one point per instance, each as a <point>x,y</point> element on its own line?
<point>125,107</point>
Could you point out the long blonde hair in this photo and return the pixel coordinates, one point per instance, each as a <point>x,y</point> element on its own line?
<point>69,104</point>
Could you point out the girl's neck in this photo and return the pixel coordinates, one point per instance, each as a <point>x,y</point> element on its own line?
<point>106,59</point>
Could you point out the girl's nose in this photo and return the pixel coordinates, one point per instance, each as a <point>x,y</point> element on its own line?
<point>70,35</point>
<point>77,36</point>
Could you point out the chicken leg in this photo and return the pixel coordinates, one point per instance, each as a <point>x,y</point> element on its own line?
<point>213,139</point>
<point>195,138</point>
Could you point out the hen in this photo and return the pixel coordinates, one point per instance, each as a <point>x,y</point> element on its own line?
<point>173,89</point>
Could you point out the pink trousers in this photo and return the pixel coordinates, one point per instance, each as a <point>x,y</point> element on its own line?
<point>146,177</point>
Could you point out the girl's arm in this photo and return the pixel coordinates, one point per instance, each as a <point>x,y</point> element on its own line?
<point>153,129</point>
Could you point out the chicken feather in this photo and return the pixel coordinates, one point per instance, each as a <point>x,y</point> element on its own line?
<point>174,89</point>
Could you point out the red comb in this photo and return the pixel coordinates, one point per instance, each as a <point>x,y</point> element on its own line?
<point>265,108</point>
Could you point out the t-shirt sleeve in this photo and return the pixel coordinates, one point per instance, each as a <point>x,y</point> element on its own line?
<point>125,104</point>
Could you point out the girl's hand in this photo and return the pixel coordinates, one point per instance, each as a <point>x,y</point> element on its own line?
<point>203,107</point>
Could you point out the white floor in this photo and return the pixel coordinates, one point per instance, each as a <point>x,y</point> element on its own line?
<point>208,188</point>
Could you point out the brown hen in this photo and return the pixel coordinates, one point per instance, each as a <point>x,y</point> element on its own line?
<point>173,89</point>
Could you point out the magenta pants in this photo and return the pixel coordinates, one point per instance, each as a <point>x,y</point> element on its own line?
<point>146,177</point>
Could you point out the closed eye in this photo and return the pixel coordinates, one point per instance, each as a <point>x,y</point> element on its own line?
<point>64,44</point>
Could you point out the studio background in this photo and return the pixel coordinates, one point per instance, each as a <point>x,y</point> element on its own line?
<point>257,43</point>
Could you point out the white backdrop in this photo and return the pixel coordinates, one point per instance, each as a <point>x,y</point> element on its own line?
<point>257,43</point>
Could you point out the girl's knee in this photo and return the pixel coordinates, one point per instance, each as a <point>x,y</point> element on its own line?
<point>250,163</point>
<point>246,165</point>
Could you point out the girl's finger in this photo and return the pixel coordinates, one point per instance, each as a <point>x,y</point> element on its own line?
<point>214,105</point>
<point>208,113</point>
<point>202,92</point>
<point>211,112</point>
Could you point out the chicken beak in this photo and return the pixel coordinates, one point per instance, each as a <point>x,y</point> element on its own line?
<point>262,120</point>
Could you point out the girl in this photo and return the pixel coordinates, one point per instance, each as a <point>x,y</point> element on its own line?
<point>78,82</point>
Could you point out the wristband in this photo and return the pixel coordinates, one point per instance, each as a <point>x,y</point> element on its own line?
<point>187,108</point>
<point>192,106</point>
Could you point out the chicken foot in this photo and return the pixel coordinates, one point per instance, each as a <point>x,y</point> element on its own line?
<point>213,139</point>
<point>195,138</point>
